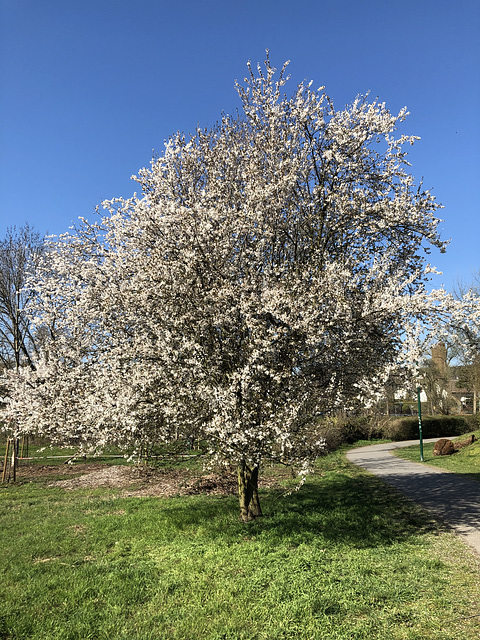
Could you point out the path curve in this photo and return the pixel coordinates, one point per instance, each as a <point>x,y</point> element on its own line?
<point>453,498</point>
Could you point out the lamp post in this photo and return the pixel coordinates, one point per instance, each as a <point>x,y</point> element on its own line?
<point>419,404</point>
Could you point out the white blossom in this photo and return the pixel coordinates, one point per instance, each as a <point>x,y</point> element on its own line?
<point>272,268</point>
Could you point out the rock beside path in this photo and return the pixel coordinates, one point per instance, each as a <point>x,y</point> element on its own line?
<point>443,447</point>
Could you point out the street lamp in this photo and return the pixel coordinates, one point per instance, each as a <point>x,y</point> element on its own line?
<point>419,403</point>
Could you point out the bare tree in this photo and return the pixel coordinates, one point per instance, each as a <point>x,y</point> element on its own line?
<point>435,383</point>
<point>19,252</point>
<point>466,342</point>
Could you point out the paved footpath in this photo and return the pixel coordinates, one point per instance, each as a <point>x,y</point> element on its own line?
<point>453,498</point>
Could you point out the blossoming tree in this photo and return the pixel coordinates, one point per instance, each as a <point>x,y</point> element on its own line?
<point>265,274</point>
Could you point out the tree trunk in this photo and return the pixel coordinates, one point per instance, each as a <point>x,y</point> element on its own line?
<point>248,492</point>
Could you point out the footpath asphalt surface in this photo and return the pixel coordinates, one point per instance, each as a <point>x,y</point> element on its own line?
<point>452,498</point>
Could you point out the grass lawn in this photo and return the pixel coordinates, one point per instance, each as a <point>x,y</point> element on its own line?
<point>38,454</point>
<point>343,558</point>
<point>466,461</point>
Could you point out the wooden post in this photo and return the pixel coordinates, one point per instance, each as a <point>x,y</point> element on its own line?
<point>5,462</point>
<point>24,448</point>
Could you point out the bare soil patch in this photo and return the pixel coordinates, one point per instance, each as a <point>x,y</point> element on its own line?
<point>139,481</point>
<point>30,471</point>
<point>143,482</point>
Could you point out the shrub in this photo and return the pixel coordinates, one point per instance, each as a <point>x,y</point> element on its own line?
<point>341,429</point>
<point>361,428</point>
<point>432,427</point>
<point>330,428</point>
<point>473,421</point>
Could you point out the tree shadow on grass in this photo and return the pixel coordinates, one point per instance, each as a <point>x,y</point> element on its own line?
<point>361,512</point>
<point>358,511</point>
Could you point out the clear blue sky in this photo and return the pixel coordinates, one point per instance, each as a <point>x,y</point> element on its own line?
<point>89,88</point>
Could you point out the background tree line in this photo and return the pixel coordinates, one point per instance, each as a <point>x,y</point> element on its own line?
<point>20,251</point>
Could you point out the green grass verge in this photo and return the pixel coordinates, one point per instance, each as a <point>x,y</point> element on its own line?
<point>465,462</point>
<point>40,454</point>
<point>35,453</point>
<point>343,558</point>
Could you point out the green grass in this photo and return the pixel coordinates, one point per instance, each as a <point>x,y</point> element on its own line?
<point>343,558</point>
<point>465,462</point>
<point>41,454</point>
